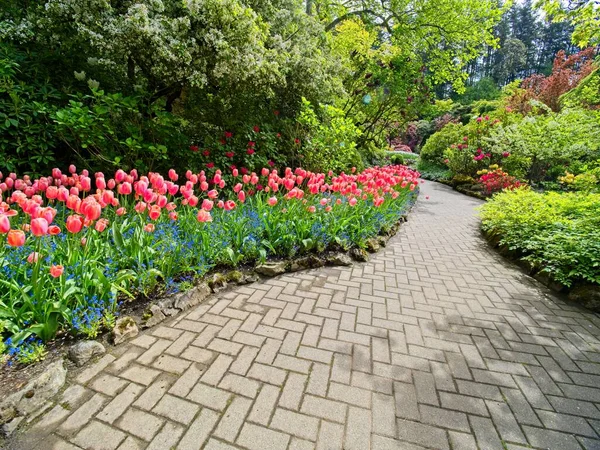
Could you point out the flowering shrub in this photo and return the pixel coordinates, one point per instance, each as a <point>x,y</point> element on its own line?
<point>78,245</point>
<point>495,179</point>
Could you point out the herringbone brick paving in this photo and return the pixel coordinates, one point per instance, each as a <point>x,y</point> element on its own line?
<point>436,342</point>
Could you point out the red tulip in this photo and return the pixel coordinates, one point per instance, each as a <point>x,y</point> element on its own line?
<point>16,238</point>
<point>56,270</point>
<point>53,230</point>
<point>74,223</point>
<point>101,225</point>
<point>207,205</point>
<point>229,205</point>
<point>154,212</point>
<point>39,227</point>
<point>173,175</point>
<point>173,215</point>
<point>242,196</point>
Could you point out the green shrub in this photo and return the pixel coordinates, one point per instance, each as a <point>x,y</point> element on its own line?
<point>27,133</point>
<point>330,139</point>
<point>585,95</point>
<point>433,150</point>
<point>542,147</point>
<point>557,232</point>
<point>433,172</point>
<point>122,131</point>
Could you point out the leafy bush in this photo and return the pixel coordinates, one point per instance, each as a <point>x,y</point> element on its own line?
<point>27,132</point>
<point>433,172</point>
<point>558,232</point>
<point>567,72</point>
<point>495,179</point>
<point>541,147</point>
<point>585,95</point>
<point>330,140</point>
<point>433,150</point>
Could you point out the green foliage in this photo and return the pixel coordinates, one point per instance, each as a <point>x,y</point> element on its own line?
<point>27,135</point>
<point>542,146</point>
<point>115,130</point>
<point>330,140</point>
<point>583,15</point>
<point>585,95</point>
<point>484,89</point>
<point>433,150</point>
<point>432,171</point>
<point>558,233</point>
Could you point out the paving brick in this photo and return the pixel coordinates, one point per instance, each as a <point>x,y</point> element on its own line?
<point>176,409</point>
<point>299,425</point>
<point>485,433</point>
<point>140,424</point>
<point>199,431</point>
<point>421,434</point>
<point>209,396</point>
<point>463,403</point>
<point>255,437</point>
<point>444,418</point>
<point>267,374</point>
<point>186,382</point>
<point>95,369</point>
<point>539,437</point>
<point>215,373</point>
<point>406,401</point>
<point>349,394</point>
<point>150,397</point>
<point>462,441</point>
<point>505,422</point>
<point>239,385</point>
<point>83,414</point>
<point>167,438</point>
<point>140,374</point>
<point>120,403</point>
<point>108,384</point>
<point>566,423</point>
<point>233,419</point>
<point>97,435</point>
<point>264,405</point>
<point>331,436</point>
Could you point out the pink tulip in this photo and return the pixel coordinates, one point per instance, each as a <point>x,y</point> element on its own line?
<point>204,216</point>
<point>4,224</point>
<point>56,270</point>
<point>39,227</point>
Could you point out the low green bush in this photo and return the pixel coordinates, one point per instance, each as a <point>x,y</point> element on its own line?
<point>433,150</point>
<point>557,232</point>
<point>433,172</point>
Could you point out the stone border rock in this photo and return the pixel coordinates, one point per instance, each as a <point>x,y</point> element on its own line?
<point>585,294</point>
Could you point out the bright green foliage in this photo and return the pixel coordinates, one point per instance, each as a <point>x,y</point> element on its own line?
<point>484,89</point>
<point>558,233</point>
<point>331,140</point>
<point>585,95</point>
<point>544,146</point>
<point>433,150</point>
<point>583,15</point>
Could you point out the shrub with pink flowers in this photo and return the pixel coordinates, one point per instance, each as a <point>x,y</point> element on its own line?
<point>77,245</point>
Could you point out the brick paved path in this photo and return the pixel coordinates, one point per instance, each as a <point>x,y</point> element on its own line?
<point>436,343</point>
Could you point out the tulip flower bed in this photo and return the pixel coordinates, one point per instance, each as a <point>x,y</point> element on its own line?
<point>76,247</point>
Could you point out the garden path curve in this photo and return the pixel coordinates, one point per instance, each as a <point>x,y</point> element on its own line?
<point>436,342</point>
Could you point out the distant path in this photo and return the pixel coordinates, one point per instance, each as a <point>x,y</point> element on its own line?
<point>436,342</point>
